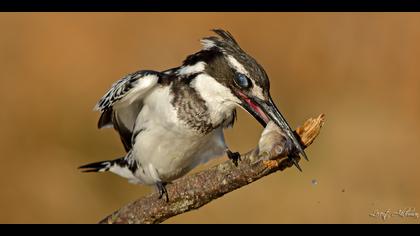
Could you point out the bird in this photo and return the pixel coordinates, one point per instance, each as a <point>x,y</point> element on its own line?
<point>171,121</point>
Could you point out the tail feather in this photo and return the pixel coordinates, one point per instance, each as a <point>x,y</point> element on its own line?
<point>100,166</point>
<point>121,166</point>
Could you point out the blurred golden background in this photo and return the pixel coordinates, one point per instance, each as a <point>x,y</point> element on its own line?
<point>361,69</point>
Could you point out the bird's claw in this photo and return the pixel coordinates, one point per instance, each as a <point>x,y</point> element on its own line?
<point>234,156</point>
<point>162,190</point>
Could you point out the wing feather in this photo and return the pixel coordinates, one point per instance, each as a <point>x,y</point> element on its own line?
<point>120,106</point>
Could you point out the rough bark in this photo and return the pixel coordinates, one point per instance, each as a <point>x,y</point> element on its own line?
<point>193,191</point>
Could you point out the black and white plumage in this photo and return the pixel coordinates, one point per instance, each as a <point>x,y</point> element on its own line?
<point>171,121</point>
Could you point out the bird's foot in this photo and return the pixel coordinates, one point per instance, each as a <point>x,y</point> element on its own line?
<point>234,157</point>
<point>162,190</point>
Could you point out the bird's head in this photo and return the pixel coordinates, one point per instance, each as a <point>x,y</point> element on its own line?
<point>230,76</point>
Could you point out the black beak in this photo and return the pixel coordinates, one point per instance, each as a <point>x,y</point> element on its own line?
<point>264,111</point>
<point>274,114</point>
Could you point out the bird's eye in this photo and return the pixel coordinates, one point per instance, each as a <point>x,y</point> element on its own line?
<point>242,81</point>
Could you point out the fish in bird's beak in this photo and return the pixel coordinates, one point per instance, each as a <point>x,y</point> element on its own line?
<point>264,111</point>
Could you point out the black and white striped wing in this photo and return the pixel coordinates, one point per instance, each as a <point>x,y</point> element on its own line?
<point>123,102</point>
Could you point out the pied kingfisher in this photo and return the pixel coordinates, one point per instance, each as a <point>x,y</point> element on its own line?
<point>171,121</point>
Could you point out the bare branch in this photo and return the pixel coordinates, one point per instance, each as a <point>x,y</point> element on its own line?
<point>193,191</point>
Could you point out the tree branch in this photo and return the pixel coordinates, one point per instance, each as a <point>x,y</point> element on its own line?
<point>193,191</point>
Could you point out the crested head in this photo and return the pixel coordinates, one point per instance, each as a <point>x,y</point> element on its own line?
<point>225,77</point>
<point>226,62</point>
<point>236,57</point>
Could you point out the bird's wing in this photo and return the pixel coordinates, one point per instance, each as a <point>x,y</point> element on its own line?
<point>123,102</point>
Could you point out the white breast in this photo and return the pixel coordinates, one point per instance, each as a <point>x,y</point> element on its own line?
<point>165,148</point>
